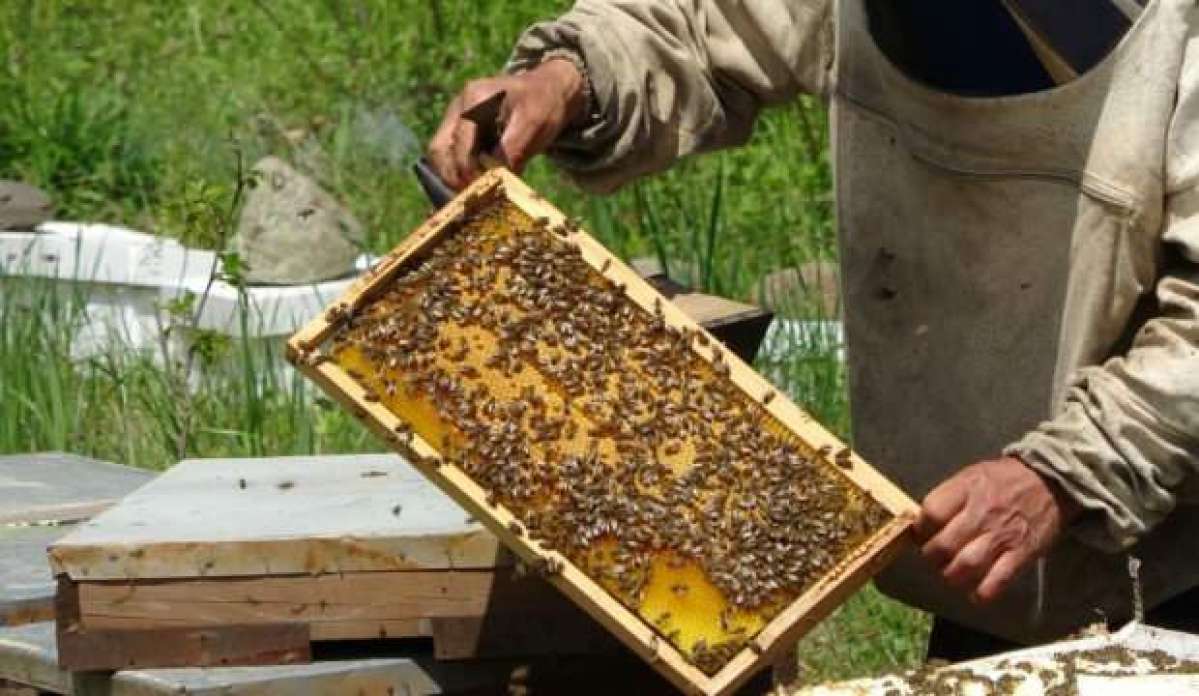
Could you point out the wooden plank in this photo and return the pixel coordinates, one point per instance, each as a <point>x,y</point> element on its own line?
<point>26,586</point>
<point>635,632</point>
<point>56,514</point>
<point>185,646</point>
<point>469,614</point>
<point>60,487</point>
<point>29,657</point>
<point>278,516</point>
<point>367,598</point>
<point>82,649</point>
<point>41,495</point>
<point>318,630</point>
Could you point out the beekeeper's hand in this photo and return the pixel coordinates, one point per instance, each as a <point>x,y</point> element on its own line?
<point>539,104</point>
<point>987,522</point>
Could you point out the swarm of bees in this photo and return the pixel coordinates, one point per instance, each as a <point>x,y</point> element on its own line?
<point>598,424</point>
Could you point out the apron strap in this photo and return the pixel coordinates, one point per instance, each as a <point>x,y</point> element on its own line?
<point>1070,37</point>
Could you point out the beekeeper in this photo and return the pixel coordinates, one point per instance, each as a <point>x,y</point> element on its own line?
<point>1018,207</point>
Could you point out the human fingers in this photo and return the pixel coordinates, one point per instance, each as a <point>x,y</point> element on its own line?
<point>440,146</point>
<point>524,136</point>
<point>940,506</point>
<point>973,561</point>
<point>462,153</point>
<point>952,538</point>
<point>1001,574</point>
<point>452,149</point>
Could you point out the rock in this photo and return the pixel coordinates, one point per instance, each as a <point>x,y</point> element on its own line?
<point>291,231</point>
<point>23,207</point>
<point>792,291</point>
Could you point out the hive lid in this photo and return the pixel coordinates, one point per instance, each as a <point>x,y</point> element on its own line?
<point>276,516</point>
<point>60,487</point>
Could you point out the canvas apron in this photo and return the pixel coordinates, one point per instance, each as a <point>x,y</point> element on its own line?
<point>991,246</point>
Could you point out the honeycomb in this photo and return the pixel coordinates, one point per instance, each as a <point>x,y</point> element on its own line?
<point>613,437</point>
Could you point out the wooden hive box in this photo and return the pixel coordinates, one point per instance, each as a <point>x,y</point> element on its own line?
<point>262,557</point>
<point>604,436</point>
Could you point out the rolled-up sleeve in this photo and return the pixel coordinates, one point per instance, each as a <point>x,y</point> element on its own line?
<point>1126,443</point>
<point>671,78</point>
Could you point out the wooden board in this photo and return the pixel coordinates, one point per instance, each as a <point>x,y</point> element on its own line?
<point>29,658</point>
<point>414,427</point>
<point>57,487</point>
<point>26,586</point>
<point>344,606</point>
<point>277,516</point>
<point>85,649</point>
<point>159,552</point>
<point>41,496</point>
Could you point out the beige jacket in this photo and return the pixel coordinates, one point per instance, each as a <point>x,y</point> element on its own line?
<point>1019,273</point>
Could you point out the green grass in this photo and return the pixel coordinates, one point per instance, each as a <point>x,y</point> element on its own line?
<point>134,112</point>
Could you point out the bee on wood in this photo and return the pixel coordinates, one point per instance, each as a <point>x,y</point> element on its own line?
<point>654,645</point>
<point>548,566</point>
<point>768,397</point>
<point>336,314</point>
<point>516,528</point>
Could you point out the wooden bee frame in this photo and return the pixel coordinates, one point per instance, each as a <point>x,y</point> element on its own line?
<point>780,632</point>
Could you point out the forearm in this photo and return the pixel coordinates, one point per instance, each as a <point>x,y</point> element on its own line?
<point>1125,445</point>
<point>672,78</point>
